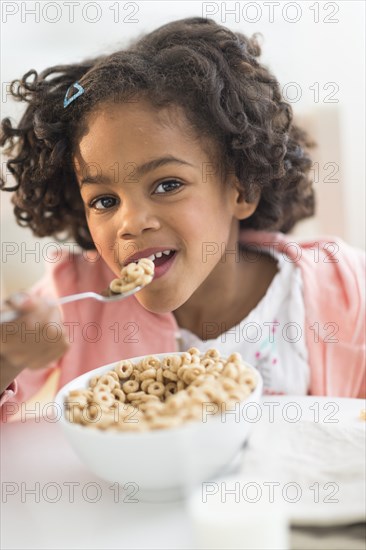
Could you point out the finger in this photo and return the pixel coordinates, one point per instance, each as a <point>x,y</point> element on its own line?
<point>36,356</point>
<point>20,301</point>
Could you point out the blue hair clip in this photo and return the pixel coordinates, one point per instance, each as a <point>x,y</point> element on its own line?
<point>80,91</point>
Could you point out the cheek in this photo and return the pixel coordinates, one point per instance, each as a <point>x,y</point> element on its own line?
<point>206,220</point>
<point>197,214</point>
<point>102,236</point>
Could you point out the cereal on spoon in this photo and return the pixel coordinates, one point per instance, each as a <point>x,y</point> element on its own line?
<point>154,394</point>
<point>133,275</point>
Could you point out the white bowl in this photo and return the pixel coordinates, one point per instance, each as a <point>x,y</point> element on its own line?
<point>166,463</point>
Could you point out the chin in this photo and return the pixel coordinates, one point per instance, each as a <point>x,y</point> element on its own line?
<point>157,305</point>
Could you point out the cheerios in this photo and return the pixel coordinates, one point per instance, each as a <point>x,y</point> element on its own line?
<point>170,375</point>
<point>234,358</point>
<point>230,370</point>
<point>109,381</point>
<point>130,386</point>
<point>186,358</point>
<point>173,363</point>
<point>148,373</point>
<point>135,395</point>
<point>154,394</point>
<point>146,383</point>
<point>133,275</point>
<point>124,369</point>
<point>156,388</point>
<point>170,389</point>
<point>150,362</point>
<point>207,362</point>
<point>104,399</point>
<point>119,395</point>
<point>212,354</point>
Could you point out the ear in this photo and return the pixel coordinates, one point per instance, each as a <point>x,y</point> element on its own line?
<point>242,208</point>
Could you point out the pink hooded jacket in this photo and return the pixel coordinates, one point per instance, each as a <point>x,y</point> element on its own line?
<point>333,276</point>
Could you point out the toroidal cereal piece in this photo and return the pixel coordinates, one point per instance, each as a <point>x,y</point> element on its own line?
<point>146,383</point>
<point>73,414</point>
<point>104,399</point>
<point>228,383</point>
<point>136,375</point>
<point>202,378</point>
<point>148,373</point>
<point>124,369</point>
<point>231,371</point>
<point>194,351</point>
<point>154,394</point>
<point>113,374</point>
<point>192,372</point>
<point>151,408</point>
<point>170,389</point>
<point>156,388</point>
<point>247,380</point>
<point>149,397</point>
<point>109,381</point>
<point>363,414</point>
<point>150,362</point>
<point>170,375</point>
<point>234,358</point>
<point>186,358</point>
<point>173,363</point>
<point>77,399</point>
<point>134,270</point>
<point>133,275</point>
<point>208,362</point>
<point>180,385</point>
<point>214,394</point>
<point>119,395</point>
<point>135,396</point>
<point>212,354</point>
<point>130,386</point>
<point>119,287</point>
<point>93,381</point>
<point>147,265</point>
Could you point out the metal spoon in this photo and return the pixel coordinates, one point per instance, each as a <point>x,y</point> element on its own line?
<point>105,296</point>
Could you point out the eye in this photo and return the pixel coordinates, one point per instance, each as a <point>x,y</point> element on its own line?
<point>168,186</point>
<point>103,203</point>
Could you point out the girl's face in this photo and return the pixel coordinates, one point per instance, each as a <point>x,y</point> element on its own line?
<point>148,185</point>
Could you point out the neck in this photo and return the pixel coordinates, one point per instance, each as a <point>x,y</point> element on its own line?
<point>233,289</point>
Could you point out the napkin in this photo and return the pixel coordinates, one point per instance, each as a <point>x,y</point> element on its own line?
<point>316,470</point>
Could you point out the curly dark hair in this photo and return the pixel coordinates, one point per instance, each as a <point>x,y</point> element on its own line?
<point>196,64</point>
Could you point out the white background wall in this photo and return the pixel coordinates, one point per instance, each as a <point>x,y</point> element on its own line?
<point>316,50</point>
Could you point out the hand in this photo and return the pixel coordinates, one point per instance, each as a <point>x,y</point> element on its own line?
<point>36,338</point>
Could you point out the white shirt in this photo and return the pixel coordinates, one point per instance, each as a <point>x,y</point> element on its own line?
<point>272,337</point>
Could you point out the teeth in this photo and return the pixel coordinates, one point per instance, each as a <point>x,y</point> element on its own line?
<point>158,255</point>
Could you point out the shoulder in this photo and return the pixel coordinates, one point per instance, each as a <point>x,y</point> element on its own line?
<point>334,263</point>
<point>328,264</point>
<point>326,249</point>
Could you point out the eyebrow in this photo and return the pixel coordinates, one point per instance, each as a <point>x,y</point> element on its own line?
<point>139,171</point>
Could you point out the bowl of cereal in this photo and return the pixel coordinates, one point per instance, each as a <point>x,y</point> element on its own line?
<point>163,422</point>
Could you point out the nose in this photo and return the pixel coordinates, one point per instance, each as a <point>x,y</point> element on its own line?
<point>135,217</point>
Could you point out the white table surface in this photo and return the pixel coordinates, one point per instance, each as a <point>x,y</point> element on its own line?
<point>35,456</point>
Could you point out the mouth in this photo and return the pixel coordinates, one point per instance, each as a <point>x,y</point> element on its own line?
<point>159,257</point>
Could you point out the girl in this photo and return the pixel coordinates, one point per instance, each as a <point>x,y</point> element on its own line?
<point>180,144</point>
